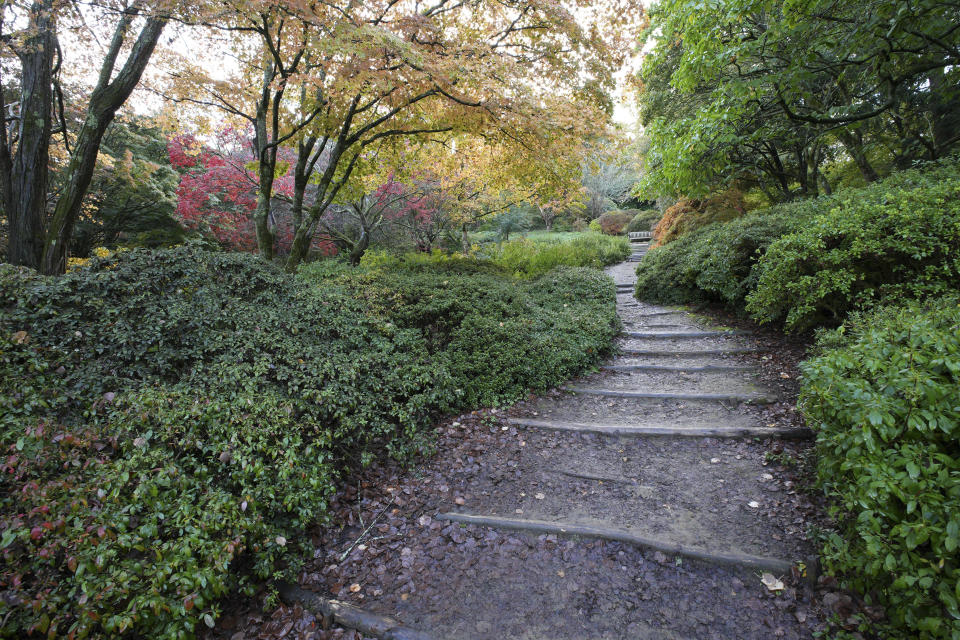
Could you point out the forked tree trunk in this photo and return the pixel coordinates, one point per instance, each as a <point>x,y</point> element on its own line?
<point>26,174</point>
<point>853,143</point>
<point>108,96</point>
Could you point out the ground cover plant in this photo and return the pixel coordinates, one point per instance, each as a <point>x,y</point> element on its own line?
<point>882,398</point>
<point>173,419</point>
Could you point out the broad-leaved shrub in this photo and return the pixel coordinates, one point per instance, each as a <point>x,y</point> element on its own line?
<point>884,399</point>
<point>171,421</point>
<point>893,239</point>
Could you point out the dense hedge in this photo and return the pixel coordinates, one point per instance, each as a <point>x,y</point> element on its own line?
<point>643,220</point>
<point>526,258</point>
<point>884,398</point>
<point>811,262</point>
<point>898,238</point>
<point>715,263</point>
<point>167,416</point>
<point>495,335</point>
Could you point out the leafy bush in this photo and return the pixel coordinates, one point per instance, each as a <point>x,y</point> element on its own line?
<point>530,259</point>
<point>715,263</point>
<point>643,220</point>
<point>613,223</point>
<point>183,408</point>
<point>883,399</point>
<point>896,238</point>
<point>688,215</point>
<point>167,417</point>
<point>497,337</point>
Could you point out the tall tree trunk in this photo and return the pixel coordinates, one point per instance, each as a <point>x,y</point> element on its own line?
<point>813,169</point>
<point>946,113</point>
<point>464,239</point>
<point>359,247</point>
<point>26,188</point>
<point>853,143</point>
<point>106,99</point>
<point>302,238</point>
<point>825,185</point>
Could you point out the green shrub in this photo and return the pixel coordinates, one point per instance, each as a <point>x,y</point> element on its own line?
<point>165,414</point>
<point>893,239</point>
<point>643,220</point>
<point>689,215</point>
<point>169,417</point>
<point>529,259</point>
<point>496,336</point>
<point>715,263</point>
<point>883,399</point>
<point>613,223</point>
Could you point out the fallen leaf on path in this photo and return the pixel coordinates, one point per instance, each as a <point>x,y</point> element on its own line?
<point>771,582</point>
<point>539,496</point>
<point>753,504</point>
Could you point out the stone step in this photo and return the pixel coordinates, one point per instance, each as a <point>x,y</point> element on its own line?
<point>741,383</point>
<point>645,325</point>
<point>705,498</point>
<point>497,584</point>
<point>574,529</point>
<point>654,353</point>
<point>714,342</point>
<point>691,397</point>
<point>669,335</point>
<point>639,412</point>
<point>671,431</point>
<point>651,368</point>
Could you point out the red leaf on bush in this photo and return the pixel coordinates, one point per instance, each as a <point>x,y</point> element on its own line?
<point>36,533</point>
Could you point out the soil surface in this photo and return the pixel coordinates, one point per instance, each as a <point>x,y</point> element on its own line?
<point>394,554</point>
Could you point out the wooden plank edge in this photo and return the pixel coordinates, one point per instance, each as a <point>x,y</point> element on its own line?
<point>692,397</point>
<point>774,565</point>
<point>671,335</point>
<point>642,353</point>
<point>792,433</point>
<point>350,616</point>
<point>710,368</point>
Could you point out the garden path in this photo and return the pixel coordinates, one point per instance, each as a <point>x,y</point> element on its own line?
<point>635,503</point>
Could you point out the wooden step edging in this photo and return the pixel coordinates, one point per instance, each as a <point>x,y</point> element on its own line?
<point>671,335</point>
<point>773,565</point>
<point>347,615</point>
<point>644,353</point>
<point>791,433</point>
<point>671,368</point>
<point>644,395</point>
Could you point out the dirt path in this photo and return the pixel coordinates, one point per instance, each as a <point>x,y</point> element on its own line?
<point>674,528</point>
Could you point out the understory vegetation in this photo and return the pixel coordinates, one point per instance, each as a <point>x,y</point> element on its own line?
<point>882,395</point>
<point>877,268</point>
<point>177,417</point>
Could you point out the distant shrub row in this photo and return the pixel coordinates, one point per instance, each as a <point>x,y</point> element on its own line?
<point>529,259</point>
<point>169,416</point>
